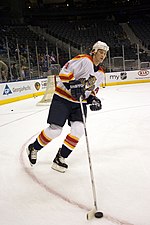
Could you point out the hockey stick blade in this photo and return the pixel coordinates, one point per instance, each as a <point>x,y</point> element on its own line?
<point>91,214</point>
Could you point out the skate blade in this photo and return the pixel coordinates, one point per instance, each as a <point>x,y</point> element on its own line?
<point>58,168</point>
<point>90,215</point>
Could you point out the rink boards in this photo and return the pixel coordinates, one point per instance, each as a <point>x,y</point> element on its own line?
<point>15,91</point>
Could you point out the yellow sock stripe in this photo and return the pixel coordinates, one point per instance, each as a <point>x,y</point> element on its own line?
<point>68,145</point>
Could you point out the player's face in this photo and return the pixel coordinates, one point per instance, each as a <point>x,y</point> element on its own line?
<point>100,55</point>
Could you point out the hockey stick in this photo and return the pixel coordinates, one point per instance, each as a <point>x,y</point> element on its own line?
<point>93,212</point>
<point>104,84</point>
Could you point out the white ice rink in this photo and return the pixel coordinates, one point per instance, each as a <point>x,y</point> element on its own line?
<point>119,139</point>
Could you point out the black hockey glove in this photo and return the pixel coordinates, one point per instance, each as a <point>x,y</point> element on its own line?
<point>95,103</point>
<point>77,89</point>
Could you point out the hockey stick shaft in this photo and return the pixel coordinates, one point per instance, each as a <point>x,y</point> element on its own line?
<point>89,156</point>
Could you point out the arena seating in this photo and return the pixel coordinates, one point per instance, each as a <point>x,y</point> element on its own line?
<point>81,34</point>
<point>141,28</point>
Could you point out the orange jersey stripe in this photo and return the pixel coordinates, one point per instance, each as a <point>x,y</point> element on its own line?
<point>63,93</point>
<point>101,69</point>
<point>66,77</point>
<point>83,56</point>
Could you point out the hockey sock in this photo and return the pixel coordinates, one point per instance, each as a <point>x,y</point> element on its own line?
<point>65,152</point>
<point>69,144</point>
<point>41,141</point>
<point>37,146</point>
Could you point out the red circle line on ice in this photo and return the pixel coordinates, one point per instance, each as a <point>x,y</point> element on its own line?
<point>29,172</point>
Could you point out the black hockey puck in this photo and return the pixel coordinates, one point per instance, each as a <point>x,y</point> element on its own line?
<point>98,214</point>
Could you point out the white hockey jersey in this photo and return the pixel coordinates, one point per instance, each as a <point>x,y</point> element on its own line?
<point>80,68</point>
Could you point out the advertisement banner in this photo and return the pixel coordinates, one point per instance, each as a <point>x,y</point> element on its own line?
<point>127,77</point>
<point>26,89</point>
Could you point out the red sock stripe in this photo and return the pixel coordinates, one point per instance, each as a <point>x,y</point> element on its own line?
<point>43,140</point>
<point>71,141</point>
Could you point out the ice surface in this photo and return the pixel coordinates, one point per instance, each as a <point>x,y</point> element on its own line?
<point>119,139</point>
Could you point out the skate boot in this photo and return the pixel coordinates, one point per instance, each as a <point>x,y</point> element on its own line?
<point>59,163</point>
<point>32,154</point>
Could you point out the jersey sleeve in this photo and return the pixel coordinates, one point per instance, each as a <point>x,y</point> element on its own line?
<point>76,69</point>
<point>66,74</point>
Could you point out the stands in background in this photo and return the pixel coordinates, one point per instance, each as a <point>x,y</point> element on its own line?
<point>33,52</point>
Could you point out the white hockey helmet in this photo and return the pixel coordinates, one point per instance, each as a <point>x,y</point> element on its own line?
<point>100,45</point>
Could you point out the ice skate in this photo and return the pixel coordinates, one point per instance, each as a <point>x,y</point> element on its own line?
<point>59,163</point>
<point>32,154</point>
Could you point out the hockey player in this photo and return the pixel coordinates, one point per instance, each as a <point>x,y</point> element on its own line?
<point>80,76</point>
